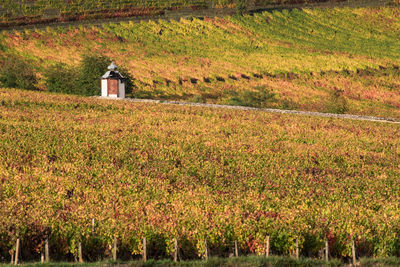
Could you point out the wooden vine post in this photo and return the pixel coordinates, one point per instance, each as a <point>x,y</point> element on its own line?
<point>80,258</point>
<point>353,252</point>
<point>16,252</point>
<point>297,248</point>
<point>267,247</point>
<point>46,250</point>
<point>175,250</point>
<point>144,249</point>
<point>205,250</point>
<point>44,256</point>
<point>236,249</point>
<point>326,251</point>
<point>114,252</point>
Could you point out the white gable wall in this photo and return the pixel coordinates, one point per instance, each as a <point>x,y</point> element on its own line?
<point>104,89</point>
<point>121,89</point>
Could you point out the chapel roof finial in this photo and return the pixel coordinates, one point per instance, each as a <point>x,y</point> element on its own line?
<point>112,67</point>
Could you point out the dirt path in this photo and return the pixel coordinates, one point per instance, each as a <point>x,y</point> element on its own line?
<point>270,110</point>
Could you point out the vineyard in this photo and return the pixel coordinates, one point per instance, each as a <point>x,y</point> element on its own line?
<point>78,170</point>
<point>25,12</point>
<point>194,174</point>
<point>43,11</point>
<point>310,59</point>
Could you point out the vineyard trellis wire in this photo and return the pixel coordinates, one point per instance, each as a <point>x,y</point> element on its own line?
<point>204,254</point>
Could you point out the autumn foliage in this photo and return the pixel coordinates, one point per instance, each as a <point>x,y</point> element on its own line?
<point>166,172</point>
<point>310,59</point>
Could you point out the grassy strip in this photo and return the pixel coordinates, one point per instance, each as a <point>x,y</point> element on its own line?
<point>248,261</point>
<point>252,261</point>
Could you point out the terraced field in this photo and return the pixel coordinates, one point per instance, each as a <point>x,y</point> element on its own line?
<point>310,59</point>
<point>191,173</point>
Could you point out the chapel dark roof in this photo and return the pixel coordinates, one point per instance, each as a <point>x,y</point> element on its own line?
<point>112,73</point>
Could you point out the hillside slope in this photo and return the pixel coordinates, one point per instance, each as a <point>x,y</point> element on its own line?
<point>310,59</point>
<point>25,12</point>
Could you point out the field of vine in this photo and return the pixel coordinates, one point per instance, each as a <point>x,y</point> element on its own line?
<point>310,59</point>
<point>25,12</point>
<point>40,8</point>
<point>165,172</point>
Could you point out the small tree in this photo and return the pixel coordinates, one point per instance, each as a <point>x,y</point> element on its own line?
<point>337,102</point>
<point>85,80</point>
<point>92,67</point>
<point>128,80</point>
<point>61,78</point>
<point>17,73</point>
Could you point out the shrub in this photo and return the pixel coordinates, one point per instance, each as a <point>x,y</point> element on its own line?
<point>92,67</point>
<point>129,85</point>
<point>85,80</point>
<point>337,102</point>
<point>17,73</point>
<point>62,79</point>
<point>241,6</point>
<point>260,97</point>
